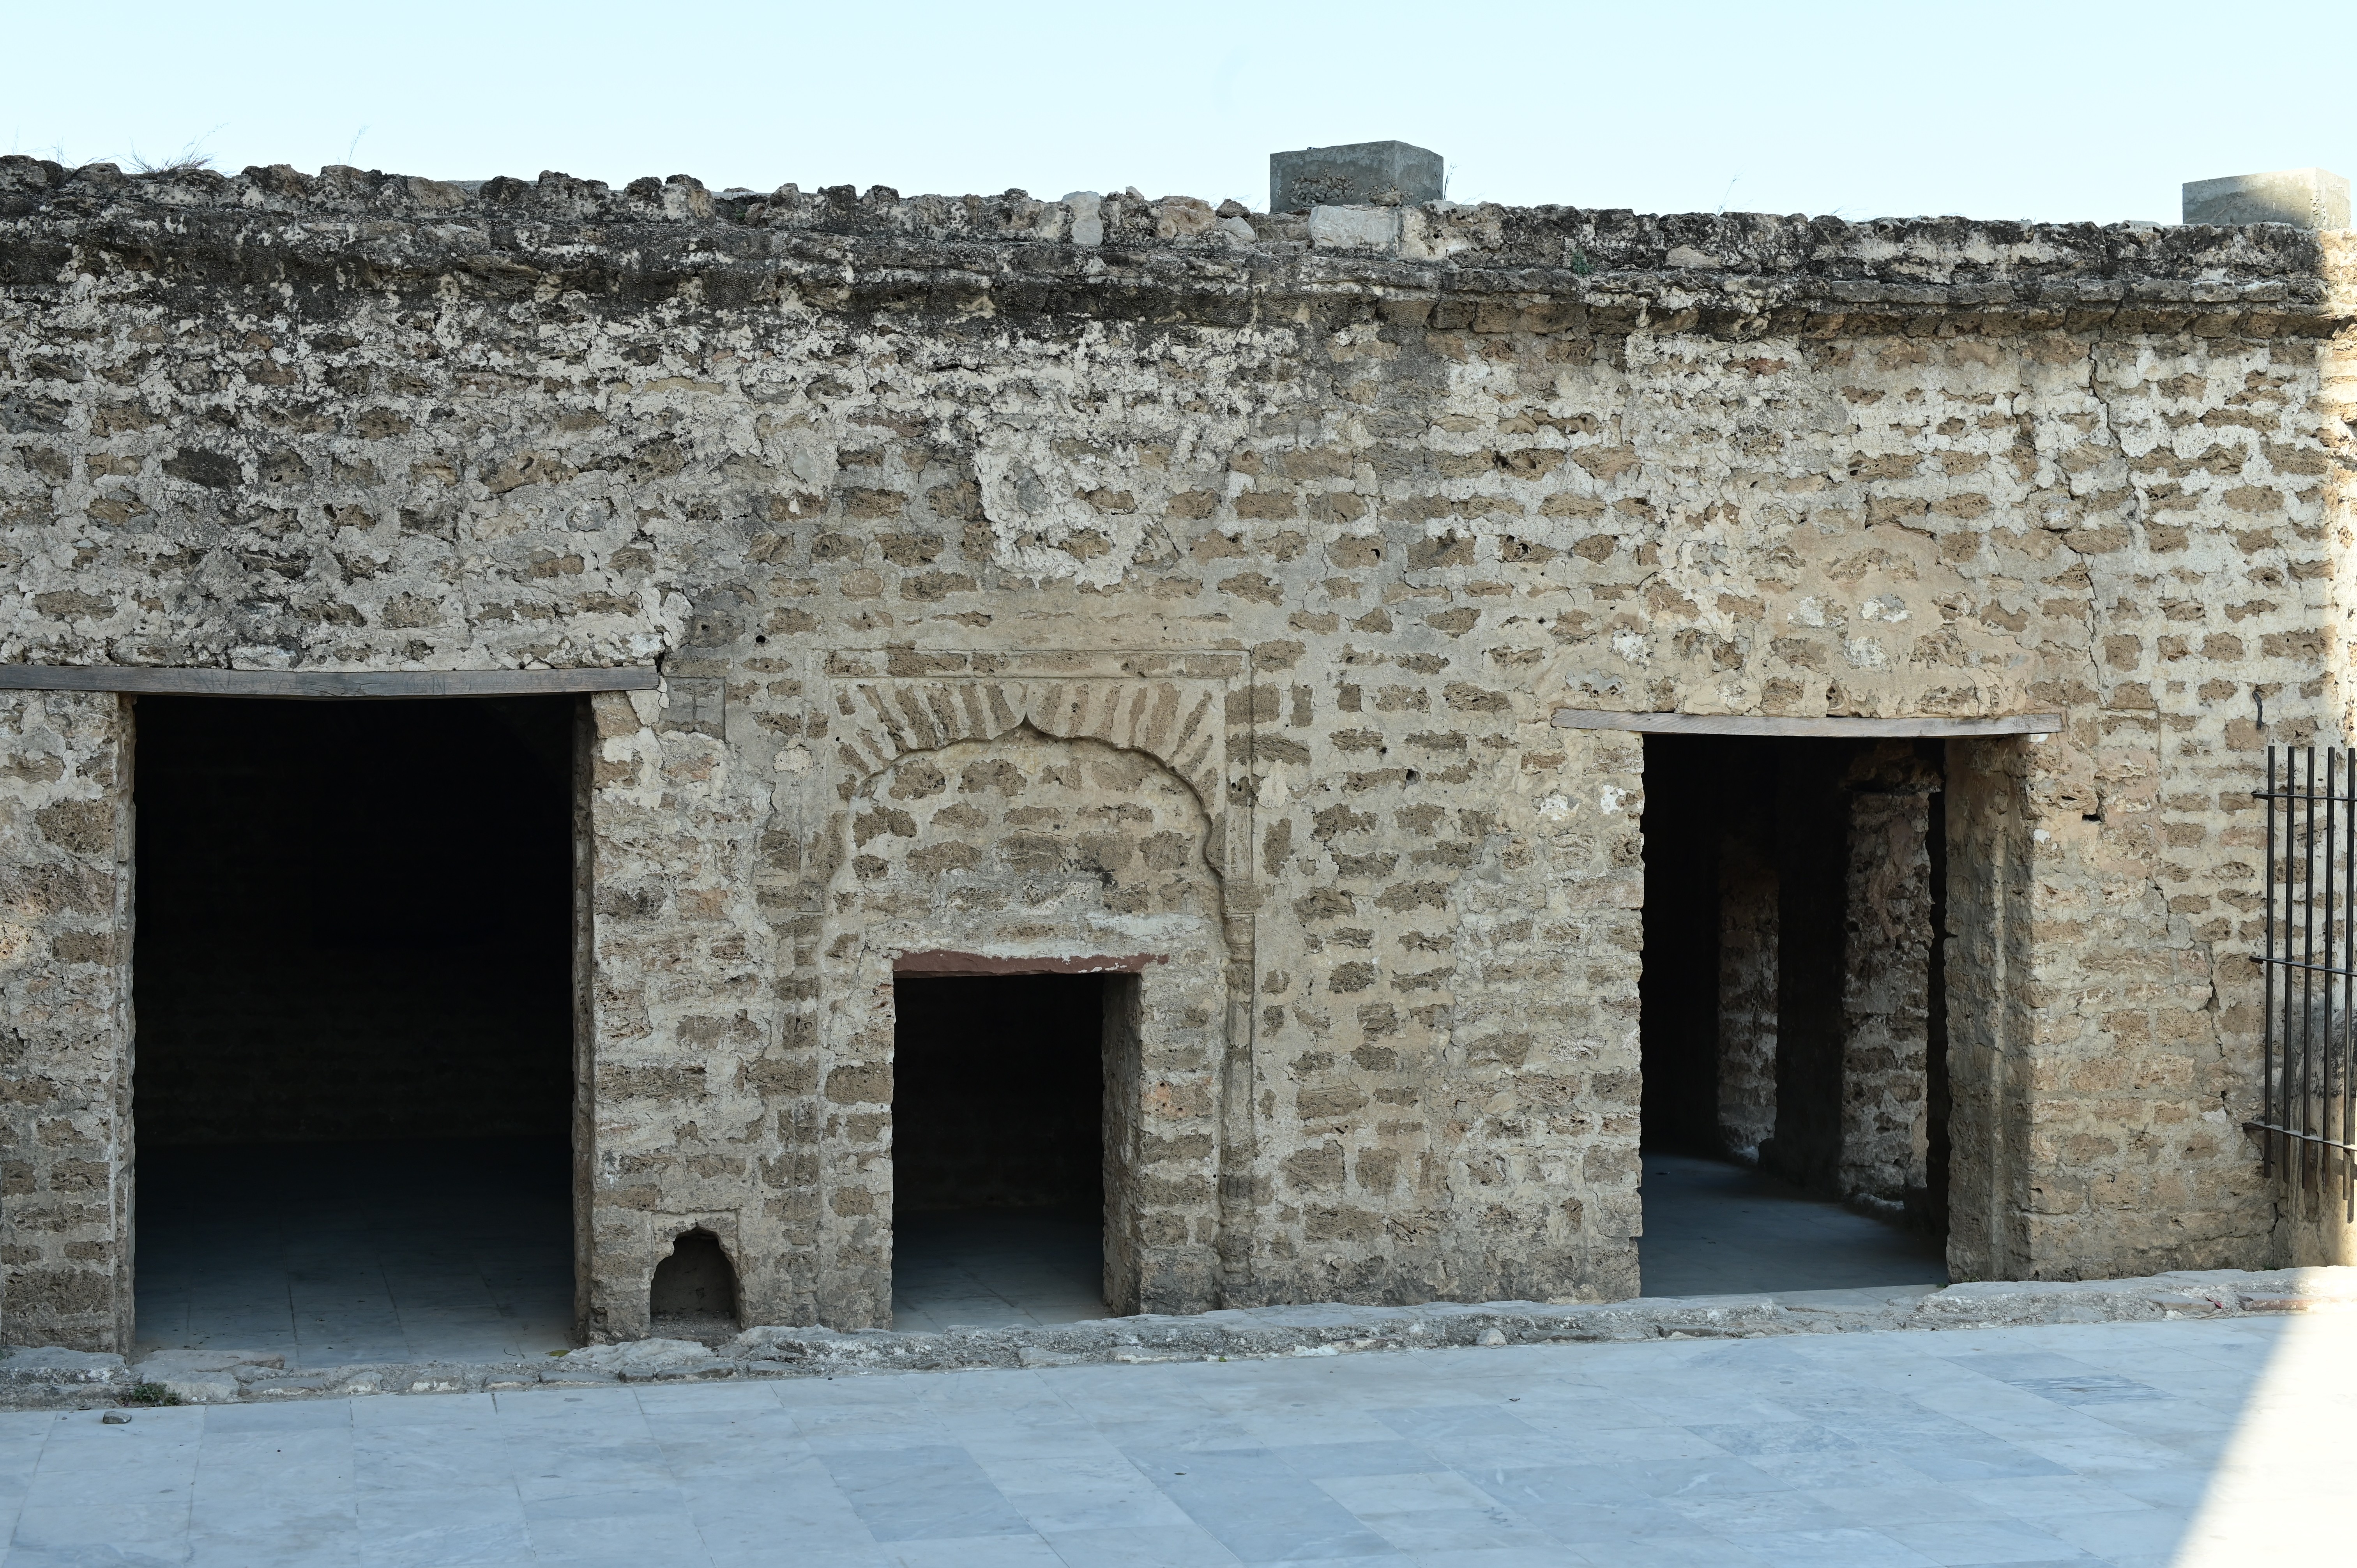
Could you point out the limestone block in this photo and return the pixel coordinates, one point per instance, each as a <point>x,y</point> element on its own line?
<point>2009,1303</point>
<point>1390,174</point>
<point>1354,229</point>
<point>201,1377</point>
<point>288,1387</point>
<point>48,1367</point>
<point>1088,217</point>
<point>1317,1329</point>
<point>2304,197</point>
<point>647,1360</point>
<point>2331,1288</point>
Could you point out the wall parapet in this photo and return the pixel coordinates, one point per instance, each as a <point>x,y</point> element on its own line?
<point>1550,268</point>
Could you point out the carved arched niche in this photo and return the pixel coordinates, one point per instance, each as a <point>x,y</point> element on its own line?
<point>1023,848</point>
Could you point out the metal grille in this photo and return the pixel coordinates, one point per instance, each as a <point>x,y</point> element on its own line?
<point>2310,1125</point>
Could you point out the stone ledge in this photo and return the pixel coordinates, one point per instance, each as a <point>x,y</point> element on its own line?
<point>50,1379</point>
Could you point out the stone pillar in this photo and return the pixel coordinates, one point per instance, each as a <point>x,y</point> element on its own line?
<point>1990,1022</point>
<point>1886,1012</point>
<point>585,1007</point>
<point>2313,1227</point>
<point>1747,980</point>
<point>1812,873</point>
<point>65,1020</point>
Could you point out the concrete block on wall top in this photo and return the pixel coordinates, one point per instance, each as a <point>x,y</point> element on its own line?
<point>2304,198</point>
<point>1362,174</point>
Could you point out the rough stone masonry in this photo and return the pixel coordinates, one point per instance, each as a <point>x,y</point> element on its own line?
<point>1128,579</point>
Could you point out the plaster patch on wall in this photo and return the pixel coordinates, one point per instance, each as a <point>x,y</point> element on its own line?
<point>1041,527</point>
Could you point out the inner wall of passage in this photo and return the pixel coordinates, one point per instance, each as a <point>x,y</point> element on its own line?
<point>998,1093</point>
<point>355,920</point>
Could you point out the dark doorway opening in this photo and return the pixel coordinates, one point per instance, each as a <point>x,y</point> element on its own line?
<point>1792,1016</point>
<point>352,972</point>
<point>998,1111</point>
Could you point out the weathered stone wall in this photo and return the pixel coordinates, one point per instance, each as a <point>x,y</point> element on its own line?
<point>65,1032</point>
<point>1824,918</point>
<point>1390,489</point>
<point>2312,1229</point>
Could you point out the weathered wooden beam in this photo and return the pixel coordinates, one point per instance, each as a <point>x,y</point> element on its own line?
<point>1840,729</point>
<point>943,965</point>
<point>206,682</point>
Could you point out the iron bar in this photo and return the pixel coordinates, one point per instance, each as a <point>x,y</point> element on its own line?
<point>2279,1111</point>
<point>2295,1133</point>
<point>2319,902</point>
<point>2332,969</point>
<point>2308,959</point>
<point>2348,999</point>
<point>2307,962</point>
<point>2267,969</point>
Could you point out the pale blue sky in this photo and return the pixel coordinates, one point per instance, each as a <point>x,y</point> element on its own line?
<point>1997,110</point>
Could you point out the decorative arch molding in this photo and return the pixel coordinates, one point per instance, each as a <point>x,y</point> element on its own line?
<point>1174,710</point>
<point>1182,723</point>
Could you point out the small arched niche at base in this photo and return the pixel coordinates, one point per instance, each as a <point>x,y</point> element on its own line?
<point>695,1288</point>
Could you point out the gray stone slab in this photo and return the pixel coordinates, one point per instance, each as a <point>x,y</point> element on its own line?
<point>928,1492</point>
<point>1357,174</point>
<point>46,1367</point>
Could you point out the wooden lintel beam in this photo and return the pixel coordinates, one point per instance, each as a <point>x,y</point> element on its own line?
<point>207,683</point>
<point>1837,727</point>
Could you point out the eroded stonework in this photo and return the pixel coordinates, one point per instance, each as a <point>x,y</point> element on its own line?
<point>1262,563</point>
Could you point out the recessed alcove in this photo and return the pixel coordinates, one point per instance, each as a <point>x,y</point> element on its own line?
<point>694,1294</point>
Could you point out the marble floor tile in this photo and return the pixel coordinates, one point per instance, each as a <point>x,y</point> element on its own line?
<point>1129,1546</point>
<point>1256,1508</point>
<point>931,1492</point>
<point>1965,1541</point>
<point>2037,1497</point>
<point>1846,1548</point>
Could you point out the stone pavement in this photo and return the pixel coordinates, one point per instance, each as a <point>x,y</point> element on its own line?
<point>2188,1443</point>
